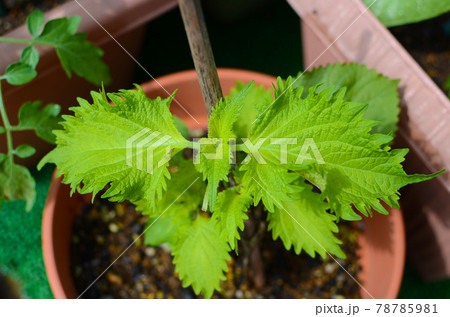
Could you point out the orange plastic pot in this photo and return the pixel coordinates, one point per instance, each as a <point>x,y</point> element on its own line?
<point>382,243</point>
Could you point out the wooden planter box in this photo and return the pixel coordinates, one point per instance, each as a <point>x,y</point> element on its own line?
<point>344,31</point>
<point>124,20</point>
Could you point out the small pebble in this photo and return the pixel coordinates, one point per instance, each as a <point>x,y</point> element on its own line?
<point>114,278</point>
<point>340,278</point>
<point>111,215</point>
<point>149,251</point>
<point>165,247</point>
<point>196,133</point>
<point>140,288</point>
<point>330,268</point>
<point>113,227</point>
<point>239,294</point>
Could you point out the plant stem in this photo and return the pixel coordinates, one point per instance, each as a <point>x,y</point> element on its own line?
<point>17,41</point>
<point>194,24</point>
<point>25,41</point>
<point>7,126</point>
<point>241,147</point>
<point>254,231</point>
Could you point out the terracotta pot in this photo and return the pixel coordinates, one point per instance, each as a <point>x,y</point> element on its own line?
<point>346,31</point>
<point>382,245</point>
<point>124,20</point>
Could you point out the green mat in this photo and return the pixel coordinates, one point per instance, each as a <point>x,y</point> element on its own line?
<point>20,241</point>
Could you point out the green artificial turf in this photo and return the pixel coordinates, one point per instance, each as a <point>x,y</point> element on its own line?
<point>20,241</point>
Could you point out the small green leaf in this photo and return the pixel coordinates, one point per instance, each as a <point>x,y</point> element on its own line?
<point>200,257</point>
<point>399,12</point>
<point>182,175</point>
<point>19,74</point>
<point>257,97</point>
<point>74,51</point>
<point>2,130</point>
<point>16,183</point>
<point>43,121</point>
<point>276,177</point>
<point>181,127</point>
<point>24,151</point>
<point>176,208</point>
<point>34,22</point>
<point>306,224</point>
<point>30,56</point>
<point>55,30</point>
<point>216,169</point>
<point>166,228</point>
<point>364,86</point>
<point>230,214</point>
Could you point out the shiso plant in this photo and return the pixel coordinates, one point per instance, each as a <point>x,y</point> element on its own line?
<point>305,157</point>
<point>76,55</point>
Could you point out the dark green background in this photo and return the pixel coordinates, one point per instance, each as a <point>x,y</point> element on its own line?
<point>263,36</point>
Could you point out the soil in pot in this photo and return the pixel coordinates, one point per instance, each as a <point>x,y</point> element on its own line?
<point>16,11</point>
<point>429,43</point>
<point>104,230</point>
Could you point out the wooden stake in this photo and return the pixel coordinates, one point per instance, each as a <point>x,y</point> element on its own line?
<point>194,24</point>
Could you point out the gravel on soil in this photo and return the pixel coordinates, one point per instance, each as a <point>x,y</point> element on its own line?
<point>103,231</point>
